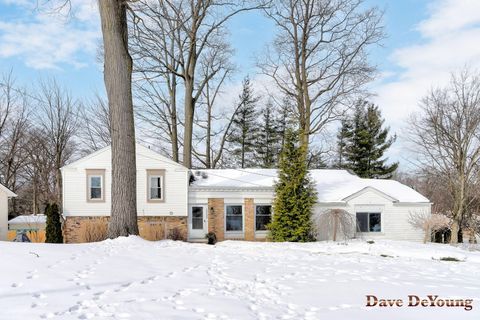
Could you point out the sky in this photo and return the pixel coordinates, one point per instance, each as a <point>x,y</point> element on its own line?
<point>427,40</point>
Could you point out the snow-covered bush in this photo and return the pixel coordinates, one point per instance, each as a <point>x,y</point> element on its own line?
<point>334,224</point>
<point>429,223</point>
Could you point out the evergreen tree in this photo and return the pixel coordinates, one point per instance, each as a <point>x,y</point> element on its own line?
<point>54,226</point>
<point>268,139</point>
<point>244,127</point>
<point>295,195</point>
<point>363,141</point>
<point>285,120</point>
<point>343,136</point>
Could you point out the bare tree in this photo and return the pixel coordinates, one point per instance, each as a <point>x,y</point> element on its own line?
<point>57,119</point>
<point>14,124</point>
<point>95,125</point>
<point>333,224</point>
<point>429,223</point>
<point>319,56</point>
<point>193,29</point>
<point>118,82</point>
<point>446,134</point>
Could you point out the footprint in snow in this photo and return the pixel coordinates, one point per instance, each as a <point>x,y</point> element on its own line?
<point>47,315</point>
<point>17,284</point>
<point>39,295</point>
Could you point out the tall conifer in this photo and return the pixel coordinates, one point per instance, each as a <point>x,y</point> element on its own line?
<point>295,195</point>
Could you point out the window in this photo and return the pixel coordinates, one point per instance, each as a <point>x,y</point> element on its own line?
<point>155,188</point>
<point>234,218</point>
<point>263,216</point>
<point>197,218</point>
<point>95,185</point>
<point>369,222</point>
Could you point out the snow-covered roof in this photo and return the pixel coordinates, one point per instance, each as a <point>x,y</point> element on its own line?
<point>7,191</point>
<point>332,185</point>
<point>26,219</point>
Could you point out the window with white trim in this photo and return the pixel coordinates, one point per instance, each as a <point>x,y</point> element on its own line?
<point>263,216</point>
<point>234,218</point>
<point>369,221</point>
<point>155,187</point>
<point>95,187</point>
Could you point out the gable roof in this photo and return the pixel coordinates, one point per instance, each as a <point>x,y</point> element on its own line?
<point>332,185</point>
<point>140,150</point>
<point>9,193</point>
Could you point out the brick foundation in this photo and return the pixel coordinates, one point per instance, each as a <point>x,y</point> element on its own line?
<point>150,227</point>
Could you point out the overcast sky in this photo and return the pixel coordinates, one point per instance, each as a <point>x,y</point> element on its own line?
<point>427,39</point>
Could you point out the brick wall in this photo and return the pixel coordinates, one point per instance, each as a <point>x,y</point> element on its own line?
<point>216,217</point>
<point>150,227</point>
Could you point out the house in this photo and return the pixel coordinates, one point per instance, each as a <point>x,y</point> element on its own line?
<point>232,203</point>
<point>162,192</point>
<point>27,228</point>
<point>5,194</point>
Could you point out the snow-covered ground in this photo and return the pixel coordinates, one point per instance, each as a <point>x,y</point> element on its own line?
<point>137,279</point>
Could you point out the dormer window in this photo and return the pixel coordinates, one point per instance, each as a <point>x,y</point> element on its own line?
<point>155,185</point>
<point>95,185</point>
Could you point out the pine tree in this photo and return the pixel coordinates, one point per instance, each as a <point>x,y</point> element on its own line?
<point>343,136</point>
<point>268,139</point>
<point>363,141</point>
<point>295,195</point>
<point>284,119</point>
<point>244,127</point>
<point>54,226</point>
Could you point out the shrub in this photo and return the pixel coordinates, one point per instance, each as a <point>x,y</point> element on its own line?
<point>95,230</point>
<point>176,234</point>
<point>450,259</point>
<point>211,238</point>
<point>335,224</point>
<point>429,223</point>
<point>54,225</point>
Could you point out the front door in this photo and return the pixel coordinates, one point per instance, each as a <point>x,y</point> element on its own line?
<point>198,222</point>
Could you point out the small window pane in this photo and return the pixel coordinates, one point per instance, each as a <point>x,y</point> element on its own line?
<point>234,218</point>
<point>197,212</point>
<point>362,221</point>
<point>96,182</point>
<point>375,222</point>
<point>155,193</point>
<point>95,193</point>
<point>156,182</point>
<point>263,216</point>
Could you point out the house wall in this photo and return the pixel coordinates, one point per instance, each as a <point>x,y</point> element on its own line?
<point>175,186</point>
<point>394,225</point>
<point>3,215</point>
<point>216,202</point>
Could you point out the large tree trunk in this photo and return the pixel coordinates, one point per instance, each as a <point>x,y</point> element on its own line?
<point>118,82</point>
<point>188,132</point>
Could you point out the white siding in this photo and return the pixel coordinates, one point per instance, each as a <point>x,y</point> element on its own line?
<point>3,215</point>
<point>175,185</point>
<point>395,224</point>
